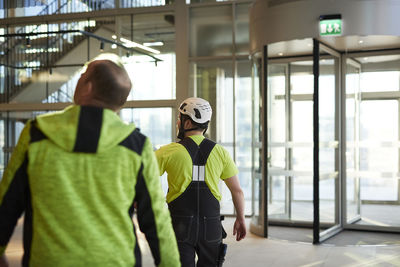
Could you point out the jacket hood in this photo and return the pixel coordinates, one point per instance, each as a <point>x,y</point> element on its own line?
<point>84,128</point>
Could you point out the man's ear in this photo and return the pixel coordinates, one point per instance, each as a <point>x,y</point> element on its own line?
<point>188,124</point>
<point>88,89</point>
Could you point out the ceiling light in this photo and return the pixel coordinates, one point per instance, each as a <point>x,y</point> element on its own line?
<point>361,41</point>
<point>114,37</point>
<point>280,54</point>
<point>131,44</point>
<point>154,43</point>
<point>113,46</point>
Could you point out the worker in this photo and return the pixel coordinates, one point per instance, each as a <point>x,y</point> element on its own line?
<point>195,166</point>
<point>77,176</point>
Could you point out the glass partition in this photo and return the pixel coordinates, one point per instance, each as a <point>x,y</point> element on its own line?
<point>329,182</point>
<point>278,207</point>
<point>300,140</point>
<point>353,200</point>
<point>379,140</point>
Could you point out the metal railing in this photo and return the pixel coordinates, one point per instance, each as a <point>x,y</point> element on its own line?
<point>73,6</point>
<point>26,53</point>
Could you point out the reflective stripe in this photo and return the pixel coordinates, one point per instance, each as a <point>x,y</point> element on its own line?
<point>198,173</point>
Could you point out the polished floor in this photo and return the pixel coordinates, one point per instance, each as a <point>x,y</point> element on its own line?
<point>255,251</point>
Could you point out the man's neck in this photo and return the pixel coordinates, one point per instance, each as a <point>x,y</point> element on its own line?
<point>97,103</point>
<point>194,132</point>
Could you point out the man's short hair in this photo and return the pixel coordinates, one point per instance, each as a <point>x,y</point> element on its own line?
<point>111,83</point>
<point>202,126</point>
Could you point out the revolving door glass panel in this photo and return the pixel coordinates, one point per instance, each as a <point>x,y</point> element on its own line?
<point>278,181</point>
<point>290,142</point>
<point>376,149</point>
<point>328,156</point>
<point>353,200</point>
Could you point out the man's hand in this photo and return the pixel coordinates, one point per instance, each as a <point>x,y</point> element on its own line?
<point>239,229</point>
<point>4,261</point>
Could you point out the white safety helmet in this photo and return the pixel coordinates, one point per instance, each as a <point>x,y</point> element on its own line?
<point>198,109</point>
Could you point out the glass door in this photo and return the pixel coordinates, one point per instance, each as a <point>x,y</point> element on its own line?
<point>352,207</point>
<point>327,195</point>
<point>373,149</point>
<point>278,179</point>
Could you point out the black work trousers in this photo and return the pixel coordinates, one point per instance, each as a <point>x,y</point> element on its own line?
<point>202,237</point>
<point>197,224</point>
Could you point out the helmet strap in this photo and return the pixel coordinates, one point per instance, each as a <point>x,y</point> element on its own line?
<point>192,129</point>
<point>205,130</point>
<point>181,132</point>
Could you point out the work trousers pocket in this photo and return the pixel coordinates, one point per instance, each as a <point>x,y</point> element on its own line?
<point>182,227</point>
<point>212,229</point>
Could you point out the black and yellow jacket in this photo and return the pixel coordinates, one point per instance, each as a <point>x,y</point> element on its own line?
<point>76,175</point>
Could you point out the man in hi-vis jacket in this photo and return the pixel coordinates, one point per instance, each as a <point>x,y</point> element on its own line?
<point>78,175</point>
<point>195,166</point>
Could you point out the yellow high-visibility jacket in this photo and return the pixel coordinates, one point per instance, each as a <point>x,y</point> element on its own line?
<point>76,175</point>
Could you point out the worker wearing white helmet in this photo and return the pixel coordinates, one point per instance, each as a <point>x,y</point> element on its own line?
<point>195,166</point>
<point>196,109</point>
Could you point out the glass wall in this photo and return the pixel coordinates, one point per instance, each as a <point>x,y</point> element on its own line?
<point>221,73</point>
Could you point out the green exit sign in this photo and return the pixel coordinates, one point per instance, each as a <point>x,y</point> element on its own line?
<point>330,27</point>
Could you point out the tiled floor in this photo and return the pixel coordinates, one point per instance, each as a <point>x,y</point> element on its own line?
<point>255,251</point>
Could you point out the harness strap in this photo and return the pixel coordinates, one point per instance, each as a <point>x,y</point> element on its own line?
<point>199,155</point>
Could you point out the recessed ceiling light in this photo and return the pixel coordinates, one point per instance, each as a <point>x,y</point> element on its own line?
<point>361,41</point>
<point>113,46</point>
<point>114,36</point>
<point>280,54</point>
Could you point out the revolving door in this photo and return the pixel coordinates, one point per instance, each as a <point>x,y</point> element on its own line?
<point>328,158</point>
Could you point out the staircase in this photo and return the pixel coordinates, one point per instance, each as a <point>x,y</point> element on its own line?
<point>29,56</point>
